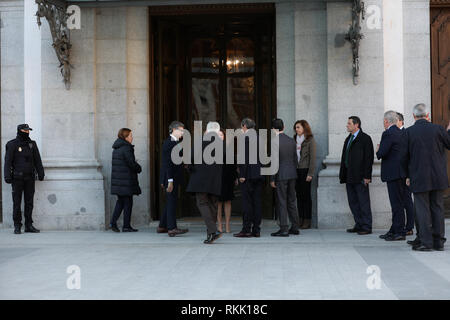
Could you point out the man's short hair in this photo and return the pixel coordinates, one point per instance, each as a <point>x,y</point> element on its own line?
<point>356,120</point>
<point>400,116</point>
<point>420,110</point>
<point>391,117</point>
<point>174,125</point>
<point>248,123</point>
<point>278,124</point>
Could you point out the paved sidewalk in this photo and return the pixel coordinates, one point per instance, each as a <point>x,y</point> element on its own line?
<point>318,264</point>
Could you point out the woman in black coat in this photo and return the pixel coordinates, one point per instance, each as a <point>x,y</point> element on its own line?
<point>124,179</point>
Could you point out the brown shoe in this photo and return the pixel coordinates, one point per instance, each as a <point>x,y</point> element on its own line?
<point>409,233</point>
<point>175,232</point>
<point>306,224</point>
<point>161,230</point>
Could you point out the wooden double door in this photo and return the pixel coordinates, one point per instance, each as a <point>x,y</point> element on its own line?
<point>440,74</point>
<point>216,67</point>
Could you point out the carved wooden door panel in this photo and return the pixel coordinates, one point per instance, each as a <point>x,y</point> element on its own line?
<point>440,74</point>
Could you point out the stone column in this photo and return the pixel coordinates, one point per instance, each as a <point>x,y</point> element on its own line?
<point>416,53</point>
<point>285,60</point>
<point>32,71</point>
<point>365,100</point>
<point>12,86</point>
<point>72,196</point>
<point>311,85</point>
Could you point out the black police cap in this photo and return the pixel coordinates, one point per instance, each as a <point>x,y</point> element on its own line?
<point>23,126</point>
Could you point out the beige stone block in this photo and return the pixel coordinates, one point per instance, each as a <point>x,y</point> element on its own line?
<point>111,75</point>
<point>111,51</point>
<point>137,52</point>
<point>138,76</point>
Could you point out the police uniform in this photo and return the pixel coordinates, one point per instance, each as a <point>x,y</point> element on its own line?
<point>22,164</point>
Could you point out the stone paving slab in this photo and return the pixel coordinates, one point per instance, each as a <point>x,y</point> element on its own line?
<point>318,264</point>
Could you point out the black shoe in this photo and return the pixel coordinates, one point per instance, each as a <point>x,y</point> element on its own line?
<point>130,229</point>
<point>421,247</point>
<point>353,230</point>
<point>296,232</point>
<point>256,234</point>
<point>387,234</point>
<point>414,242</point>
<point>114,228</point>
<point>243,234</point>
<point>395,237</point>
<point>17,230</point>
<point>364,232</point>
<point>212,237</point>
<point>438,248</point>
<point>280,233</point>
<point>31,229</point>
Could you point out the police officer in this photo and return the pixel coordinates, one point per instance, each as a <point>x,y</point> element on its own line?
<point>22,163</point>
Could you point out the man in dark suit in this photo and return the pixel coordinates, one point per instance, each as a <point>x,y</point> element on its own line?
<point>251,182</point>
<point>356,173</point>
<point>427,172</point>
<point>171,177</point>
<point>206,182</point>
<point>284,183</point>
<point>391,151</point>
<point>409,206</point>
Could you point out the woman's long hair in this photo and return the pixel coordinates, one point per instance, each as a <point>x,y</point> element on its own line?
<point>306,129</point>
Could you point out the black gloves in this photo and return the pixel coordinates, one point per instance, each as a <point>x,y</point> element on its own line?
<point>41,178</point>
<point>8,180</point>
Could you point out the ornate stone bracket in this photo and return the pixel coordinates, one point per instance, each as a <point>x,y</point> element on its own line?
<point>56,14</point>
<point>354,35</point>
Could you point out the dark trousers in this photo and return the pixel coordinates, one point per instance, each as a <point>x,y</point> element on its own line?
<point>124,203</point>
<point>252,205</point>
<point>287,204</point>
<point>359,202</point>
<point>396,192</point>
<point>25,187</point>
<point>429,208</point>
<point>169,217</point>
<point>303,190</point>
<point>207,205</point>
<point>409,208</point>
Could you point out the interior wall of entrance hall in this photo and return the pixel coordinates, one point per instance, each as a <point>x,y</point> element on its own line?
<point>110,83</point>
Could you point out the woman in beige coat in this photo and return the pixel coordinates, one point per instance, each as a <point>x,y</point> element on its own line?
<point>306,165</point>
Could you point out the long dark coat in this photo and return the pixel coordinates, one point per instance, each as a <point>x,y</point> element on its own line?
<point>360,159</point>
<point>427,147</point>
<point>125,169</point>
<point>205,178</point>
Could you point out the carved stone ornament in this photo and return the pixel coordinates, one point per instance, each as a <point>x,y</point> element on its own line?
<point>56,14</point>
<point>354,35</point>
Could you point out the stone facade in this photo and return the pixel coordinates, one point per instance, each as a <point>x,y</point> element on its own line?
<point>110,90</point>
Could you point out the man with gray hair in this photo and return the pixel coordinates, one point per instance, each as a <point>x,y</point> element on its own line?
<point>427,173</point>
<point>206,183</point>
<point>391,151</point>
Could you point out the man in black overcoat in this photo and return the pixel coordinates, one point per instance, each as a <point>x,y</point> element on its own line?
<point>427,171</point>
<point>356,172</point>
<point>206,182</point>
<point>251,183</point>
<point>170,178</point>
